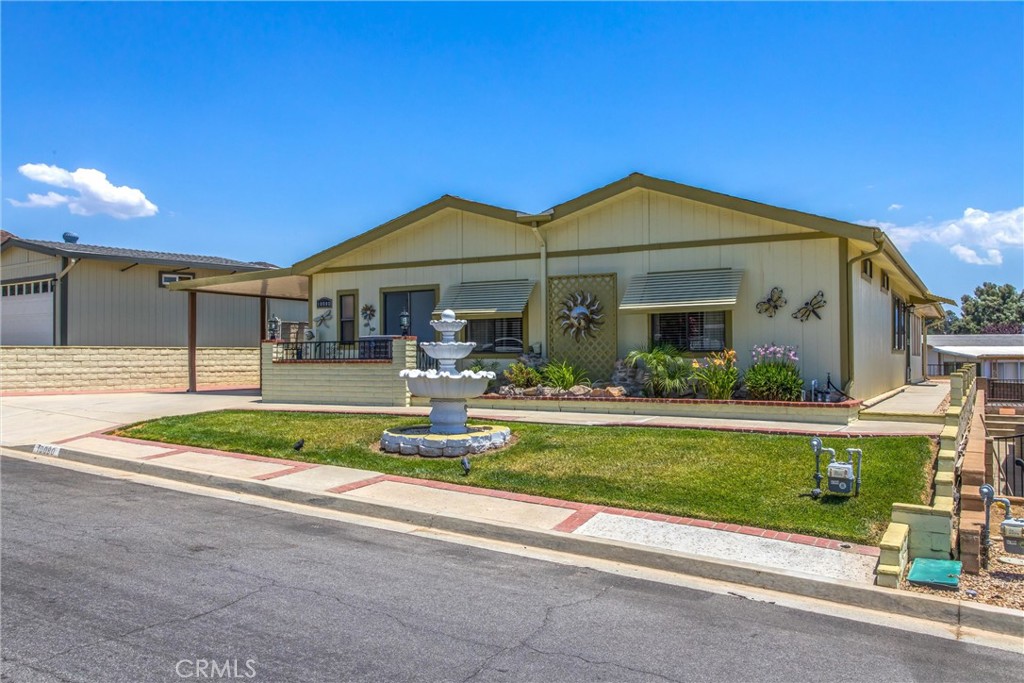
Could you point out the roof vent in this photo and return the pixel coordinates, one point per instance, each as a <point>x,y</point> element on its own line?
<point>71,238</point>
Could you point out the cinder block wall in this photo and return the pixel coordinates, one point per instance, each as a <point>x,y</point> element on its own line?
<point>45,369</point>
<point>356,382</point>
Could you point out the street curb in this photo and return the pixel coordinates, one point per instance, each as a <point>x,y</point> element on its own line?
<point>952,612</point>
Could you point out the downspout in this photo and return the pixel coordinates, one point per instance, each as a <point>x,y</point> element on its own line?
<point>879,238</point>
<point>543,285</point>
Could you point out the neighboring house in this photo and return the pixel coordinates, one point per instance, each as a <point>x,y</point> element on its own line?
<point>70,294</point>
<point>652,262</point>
<point>999,356</point>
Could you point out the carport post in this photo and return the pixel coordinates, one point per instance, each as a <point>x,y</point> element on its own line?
<point>192,342</point>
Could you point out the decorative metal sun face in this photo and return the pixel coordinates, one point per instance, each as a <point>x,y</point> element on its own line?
<point>581,316</point>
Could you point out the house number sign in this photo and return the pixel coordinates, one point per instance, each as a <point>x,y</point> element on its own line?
<point>324,302</point>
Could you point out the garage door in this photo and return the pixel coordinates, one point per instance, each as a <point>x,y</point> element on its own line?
<point>26,314</point>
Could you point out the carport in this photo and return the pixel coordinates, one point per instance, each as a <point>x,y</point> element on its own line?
<point>278,283</point>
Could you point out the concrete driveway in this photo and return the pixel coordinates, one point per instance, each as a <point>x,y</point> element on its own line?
<point>44,419</point>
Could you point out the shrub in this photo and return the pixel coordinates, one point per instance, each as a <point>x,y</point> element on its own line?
<point>717,375</point>
<point>668,373</point>
<point>774,375</point>
<point>482,366</point>
<point>562,375</point>
<point>522,376</point>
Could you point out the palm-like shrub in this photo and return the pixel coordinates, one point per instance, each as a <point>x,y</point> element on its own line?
<point>563,375</point>
<point>522,376</point>
<point>667,371</point>
<point>774,375</point>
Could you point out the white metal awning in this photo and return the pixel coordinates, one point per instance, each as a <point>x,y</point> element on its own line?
<point>982,351</point>
<point>487,298</point>
<point>682,290</point>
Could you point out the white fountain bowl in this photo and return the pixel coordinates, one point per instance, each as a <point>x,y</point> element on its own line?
<point>443,385</point>
<point>447,350</point>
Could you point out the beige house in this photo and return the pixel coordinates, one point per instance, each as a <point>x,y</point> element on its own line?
<point>651,262</point>
<point>70,294</point>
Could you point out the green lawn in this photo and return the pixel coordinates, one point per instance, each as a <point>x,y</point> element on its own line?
<point>752,479</point>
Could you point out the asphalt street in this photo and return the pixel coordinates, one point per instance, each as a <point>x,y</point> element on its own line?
<point>108,580</point>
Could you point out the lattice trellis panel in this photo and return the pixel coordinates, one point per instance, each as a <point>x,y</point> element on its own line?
<point>596,355</point>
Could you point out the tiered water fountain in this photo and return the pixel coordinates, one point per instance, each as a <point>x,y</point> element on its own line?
<point>448,435</point>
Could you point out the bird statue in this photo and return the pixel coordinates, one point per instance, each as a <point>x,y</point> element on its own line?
<point>465,465</point>
<point>297,446</point>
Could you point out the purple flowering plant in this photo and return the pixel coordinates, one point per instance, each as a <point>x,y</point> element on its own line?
<point>774,375</point>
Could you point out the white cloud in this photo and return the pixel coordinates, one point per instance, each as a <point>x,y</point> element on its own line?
<point>895,207</point>
<point>95,194</point>
<point>991,231</point>
<point>968,255</point>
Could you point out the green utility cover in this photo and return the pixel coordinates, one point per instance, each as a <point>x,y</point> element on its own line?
<point>944,573</point>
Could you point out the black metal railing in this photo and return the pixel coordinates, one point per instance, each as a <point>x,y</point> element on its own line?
<point>363,349</point>
<point>425,362</point>
<point>1008,473</point>
<point>1005,390</point>
<point>947,368</point>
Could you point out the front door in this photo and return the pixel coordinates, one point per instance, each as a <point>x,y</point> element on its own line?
<point>419,304</point>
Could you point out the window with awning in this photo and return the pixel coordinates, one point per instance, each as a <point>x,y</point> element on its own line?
<point>495,312</point>
<point>683,290</point>
<point>497,299</point>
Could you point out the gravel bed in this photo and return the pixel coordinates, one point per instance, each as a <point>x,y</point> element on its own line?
<point>1001,584</point>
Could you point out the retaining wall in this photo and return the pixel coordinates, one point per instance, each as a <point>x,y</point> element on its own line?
<point>48,369</point>
<point>349,382</point>
<point>928,529</point>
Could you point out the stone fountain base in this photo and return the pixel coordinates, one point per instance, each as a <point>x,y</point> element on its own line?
<point>420,441</point>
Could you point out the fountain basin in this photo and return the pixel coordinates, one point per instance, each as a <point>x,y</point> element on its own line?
<point>447,350</point>
<point>420,441</point>
<point>444,385</point>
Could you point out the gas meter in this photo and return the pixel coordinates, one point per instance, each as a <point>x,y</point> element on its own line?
<point>842,479</point>
<point>1012,531</point>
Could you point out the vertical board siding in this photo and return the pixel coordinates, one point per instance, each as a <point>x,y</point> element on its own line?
<point>640,217</point>
<point>109,307</point>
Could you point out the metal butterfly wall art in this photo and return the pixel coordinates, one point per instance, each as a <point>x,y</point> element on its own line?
<point>816,303</point>
<point>773,303</point>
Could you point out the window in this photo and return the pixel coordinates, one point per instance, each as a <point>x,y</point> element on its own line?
<point>899,324</point>
<point>496,335</point>
<point>885,282</point>
<point>168,278</point>
<point>867,269</point>
<point>27,288</point>
<point>346,317</point>
<point>695,331</point>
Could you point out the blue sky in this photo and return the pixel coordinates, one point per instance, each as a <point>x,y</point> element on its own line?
<point>271,131</point>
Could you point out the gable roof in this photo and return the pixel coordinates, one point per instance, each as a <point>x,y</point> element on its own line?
<point>310,265</point>
<point>585,201</point>
<point>162,258</point>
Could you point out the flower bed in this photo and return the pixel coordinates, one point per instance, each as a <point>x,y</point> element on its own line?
<point>840,413</point>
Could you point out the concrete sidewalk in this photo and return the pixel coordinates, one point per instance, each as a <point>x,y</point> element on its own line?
<point>729,542</point>
<point>50,417</point>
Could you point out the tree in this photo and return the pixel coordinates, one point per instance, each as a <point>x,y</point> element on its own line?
<point>994,309</point>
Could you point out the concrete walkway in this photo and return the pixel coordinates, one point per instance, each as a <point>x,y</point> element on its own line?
<point>926,398</point>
